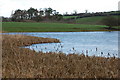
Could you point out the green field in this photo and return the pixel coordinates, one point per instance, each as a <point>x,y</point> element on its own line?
<point>48,27</point>
<point>81,24</point>
<point>67,17</point>
<point>95,20</point>
<point>91,20</point>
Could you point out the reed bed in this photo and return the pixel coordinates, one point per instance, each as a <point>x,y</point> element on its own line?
<point>25,63</point>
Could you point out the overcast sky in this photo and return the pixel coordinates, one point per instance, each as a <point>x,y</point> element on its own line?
<point>62,6</point>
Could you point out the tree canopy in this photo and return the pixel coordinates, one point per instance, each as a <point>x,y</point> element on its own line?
<point>36,15</point>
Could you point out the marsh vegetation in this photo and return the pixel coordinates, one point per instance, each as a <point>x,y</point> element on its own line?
<point>25,63</point>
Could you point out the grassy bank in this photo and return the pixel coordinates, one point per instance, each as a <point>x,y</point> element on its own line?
<point>24,63</point>
<point>49,27</point>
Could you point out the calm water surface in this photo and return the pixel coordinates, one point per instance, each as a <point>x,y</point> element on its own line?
<point>90,43</point>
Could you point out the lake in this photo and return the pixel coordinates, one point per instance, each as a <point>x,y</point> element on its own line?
<point>89,43</point>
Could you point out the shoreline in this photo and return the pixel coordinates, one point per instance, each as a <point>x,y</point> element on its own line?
<point>26,63</point>
<point>60,31</point>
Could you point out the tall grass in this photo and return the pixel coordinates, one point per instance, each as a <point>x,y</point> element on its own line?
<point>24,63</point>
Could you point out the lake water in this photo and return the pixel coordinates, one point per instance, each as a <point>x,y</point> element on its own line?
<point>89,43</point>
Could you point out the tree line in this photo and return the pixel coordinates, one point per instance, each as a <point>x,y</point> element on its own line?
<point>36,15</point>
<point>83,15</point>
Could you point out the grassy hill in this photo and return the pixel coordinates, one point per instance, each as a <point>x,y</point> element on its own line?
<point>95,20</point>
<point>67,17</point>
<point>90,20</point>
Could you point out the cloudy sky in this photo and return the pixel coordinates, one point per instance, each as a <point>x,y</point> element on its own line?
<point>62,6</point>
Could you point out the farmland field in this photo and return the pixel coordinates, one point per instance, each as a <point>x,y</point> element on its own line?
<point>90,20</point>
<point>95,20</point>
<point>66,17</point>
<point>49,27</point>
<point>80,24</point>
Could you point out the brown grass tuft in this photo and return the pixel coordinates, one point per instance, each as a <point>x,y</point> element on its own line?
<point>25,63</point>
